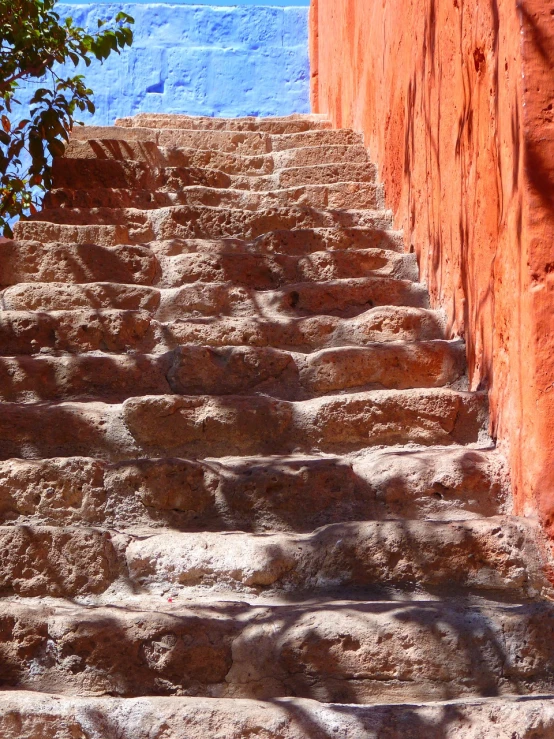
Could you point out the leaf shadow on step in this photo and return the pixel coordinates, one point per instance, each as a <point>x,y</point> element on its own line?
<point>288,493</point>
<point>275,654</point>
<point>72,431</point>
<point>76,264</point>
<point>82,377</point>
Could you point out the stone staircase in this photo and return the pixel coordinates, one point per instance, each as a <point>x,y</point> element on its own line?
<point>244,490</point>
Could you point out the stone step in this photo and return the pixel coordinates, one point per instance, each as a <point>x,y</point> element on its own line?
<point>93,174</point>
<point>230,163</point>
<point>342,298</point>
<point>204,426</point>
<point>345,195</point>
<point>298,242</point>
<point>331,651</point>
<point>30,332</point>
<point>188,222</point>
<point>492,554</point>
<point>498,554</point>
<point>24,261</point>
<point>271,124</point>
<point>241,142</point>
<point>118,331</point>
<point>324,173</point>
<point>258,494</point>
<point>109,226</point>
<point>33,261</point>
<point>200,370</point>
<point>31,715</point>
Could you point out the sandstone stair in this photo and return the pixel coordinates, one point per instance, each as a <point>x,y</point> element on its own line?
<point>244,490</point>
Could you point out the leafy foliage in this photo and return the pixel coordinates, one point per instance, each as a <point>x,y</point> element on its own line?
<point>33,41</point>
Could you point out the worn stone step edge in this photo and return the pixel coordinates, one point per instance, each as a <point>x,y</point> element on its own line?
<point>344,298</point>
<point>164,425</point>
<point>117,331</point>
<point>24,261</point>
<point>130,226</point>
<point>347,195</point>
<point>230,163</point>
<point>498,554</point>
<point>201,370</point>
<point>258,494</point>
<point>270,124</point>
<point>346,652</point>
<point>29,715</point>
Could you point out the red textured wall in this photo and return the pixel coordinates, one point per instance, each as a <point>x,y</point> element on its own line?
<point>455,98</point>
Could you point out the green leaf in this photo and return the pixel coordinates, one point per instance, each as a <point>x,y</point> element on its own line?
<point>33,39</point>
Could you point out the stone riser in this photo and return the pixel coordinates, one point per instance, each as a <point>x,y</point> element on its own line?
<point>26,332</point>
<point>22,262</point>
<point>197,370</point>
<point>254,494</point>
<point>240,425</point>
<point>337,652</point>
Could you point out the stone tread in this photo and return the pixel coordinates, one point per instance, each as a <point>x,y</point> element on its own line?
<point>243,142</point>
<point>149,153</point>
<point>495,554</point>
<point>29,715</point>
<point>158,425</point>
<point>344,298</point>
<point>296,493</point>
<point>270,124</point>
<point>112,330</point>
<point>355,195</point>
<point>202,370</point>
<point>333,651</point>
<point>91,174</point>
<point>149,265</point>
<point>111,226</point>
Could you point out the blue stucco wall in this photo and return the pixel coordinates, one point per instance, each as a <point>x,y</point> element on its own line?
<point>201,60</point>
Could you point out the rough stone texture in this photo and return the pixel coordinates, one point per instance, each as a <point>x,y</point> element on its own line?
<point>494,554</point>
<point>27,715</point>
<point>239,460</point>
<point>339,652</point>
<point>460,120</point>
<point>296,493</point>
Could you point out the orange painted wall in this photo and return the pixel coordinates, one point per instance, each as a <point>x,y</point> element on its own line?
<point>456,101</point>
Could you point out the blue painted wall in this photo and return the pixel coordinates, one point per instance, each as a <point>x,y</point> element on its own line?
<point>201,60</point>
